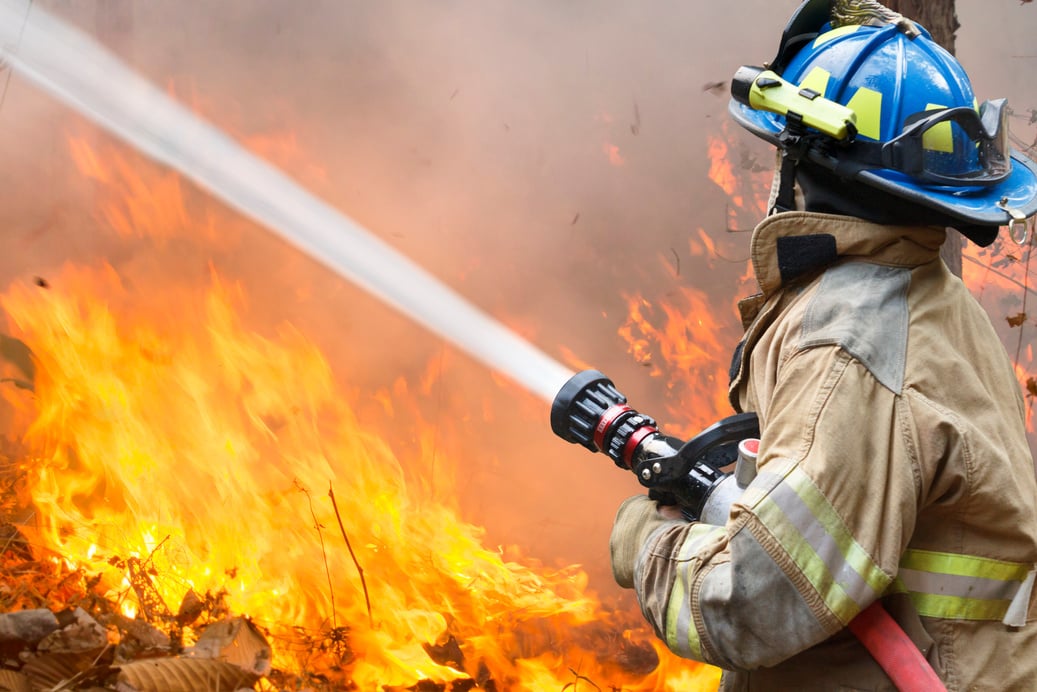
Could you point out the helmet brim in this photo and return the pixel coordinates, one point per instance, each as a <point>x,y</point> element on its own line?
<point>977,206</point>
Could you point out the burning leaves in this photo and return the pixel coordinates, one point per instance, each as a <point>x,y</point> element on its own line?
<point>57,632</point>
<point>169,445</point>
<point>17,354</point>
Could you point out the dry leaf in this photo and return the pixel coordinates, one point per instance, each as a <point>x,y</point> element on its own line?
<point>82,634</point>
<point>49,671</point>
<point>237,641</point>
<point>11,681</point>
<point>1031,387</point>
<point>1017,320</point>
<point>182,675</point>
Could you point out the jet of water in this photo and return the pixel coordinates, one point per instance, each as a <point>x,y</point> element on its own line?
<point>78,71</point>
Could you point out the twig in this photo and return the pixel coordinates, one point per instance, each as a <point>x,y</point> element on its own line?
<point>323,553</point>
<point>359,569</point>
<point>578,678</point>
<point>1026,280</point>
<point>72,682</point>
<point>154,550</point>
<point>10,70</point>
<point>1004,276</point>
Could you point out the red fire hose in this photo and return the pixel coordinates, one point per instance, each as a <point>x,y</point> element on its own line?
<point>894,651</point>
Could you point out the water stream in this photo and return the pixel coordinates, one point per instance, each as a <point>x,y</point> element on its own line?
<point>78,71</point>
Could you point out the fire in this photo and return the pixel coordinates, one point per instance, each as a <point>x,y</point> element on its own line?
<point>614,156</point>
<point>177,450</point>
<point>747,185</point>
<point>999,277</point>
<point>687,339</point>
<point>721,171</point>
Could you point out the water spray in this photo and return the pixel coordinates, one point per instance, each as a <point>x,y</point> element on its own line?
<point>78,71</point>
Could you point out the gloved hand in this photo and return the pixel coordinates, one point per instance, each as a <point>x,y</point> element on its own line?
<point>636,519</point>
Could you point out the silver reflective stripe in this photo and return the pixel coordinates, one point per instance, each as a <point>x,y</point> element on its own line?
<point>956,585</point>
<point>814,536</point>
<point>681,635</point>
<point>824,545</point>
<point>1020,605</point>
<point>953,586</point>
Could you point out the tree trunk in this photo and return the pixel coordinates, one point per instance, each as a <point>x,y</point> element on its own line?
<point>937,16</point>
<point>940,20</point>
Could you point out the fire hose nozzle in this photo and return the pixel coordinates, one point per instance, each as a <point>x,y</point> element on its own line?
<point>590,411</point>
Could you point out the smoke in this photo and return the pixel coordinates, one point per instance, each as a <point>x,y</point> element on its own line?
<point>538,156</point>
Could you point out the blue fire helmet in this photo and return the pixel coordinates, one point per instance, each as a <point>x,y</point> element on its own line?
<point>916,129</point>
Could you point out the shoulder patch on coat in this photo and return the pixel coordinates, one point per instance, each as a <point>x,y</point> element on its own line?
<point>862,308</point>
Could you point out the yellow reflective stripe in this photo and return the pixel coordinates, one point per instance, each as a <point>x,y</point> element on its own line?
<point>816,79</point>
<point>939,137</point>
<point>867,104</point>
<point>951,607</point>
<point>959,587</point>
<point>957,608</point>
<point>963,565</point>
<point>819,543</point>
<point>835,33</point>
<point>681,634</point>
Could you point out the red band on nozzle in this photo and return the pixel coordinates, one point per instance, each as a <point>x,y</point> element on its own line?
<point>605,422</point>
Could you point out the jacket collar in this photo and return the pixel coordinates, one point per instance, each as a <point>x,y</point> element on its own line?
<point>796,244</point>
<point>789,245</point>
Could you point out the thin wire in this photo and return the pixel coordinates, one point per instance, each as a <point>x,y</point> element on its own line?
<point>1026,295</point>
<point>21,32</point>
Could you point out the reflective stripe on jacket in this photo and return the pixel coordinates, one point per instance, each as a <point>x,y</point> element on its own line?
<point>893,464</point>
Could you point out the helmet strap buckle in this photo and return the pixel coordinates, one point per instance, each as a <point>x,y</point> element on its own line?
<point>1019,226</point>
<point>794,143</point>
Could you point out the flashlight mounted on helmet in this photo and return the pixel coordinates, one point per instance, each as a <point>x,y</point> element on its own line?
<point>764,89</point>
<point>699,475</point>
<point>920,133</point>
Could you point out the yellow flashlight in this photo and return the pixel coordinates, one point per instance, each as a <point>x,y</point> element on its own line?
<point>765,90</point>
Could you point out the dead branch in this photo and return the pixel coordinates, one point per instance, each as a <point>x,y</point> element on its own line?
<point>359,569</point>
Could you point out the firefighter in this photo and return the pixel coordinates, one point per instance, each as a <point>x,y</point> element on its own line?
<point>893,463</point>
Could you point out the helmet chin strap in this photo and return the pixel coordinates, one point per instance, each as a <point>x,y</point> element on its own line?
<point>772,199</point>
<point>785,194</point>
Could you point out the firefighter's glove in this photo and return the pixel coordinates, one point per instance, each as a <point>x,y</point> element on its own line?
<point>637,518</point>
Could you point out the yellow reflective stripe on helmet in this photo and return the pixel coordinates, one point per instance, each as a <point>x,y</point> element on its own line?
<point>939,137</point>
<point>817,540</point>
<point>817,80</point>
<point>681,635</point>
<point>835,33</point>
<point>959,587</point>
<point>867,104</point>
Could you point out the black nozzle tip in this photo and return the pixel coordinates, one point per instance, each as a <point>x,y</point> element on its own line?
<point>579,404</point>
<point>568,395</point>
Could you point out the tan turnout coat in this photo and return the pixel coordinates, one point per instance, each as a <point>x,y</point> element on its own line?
<point>893,465</point>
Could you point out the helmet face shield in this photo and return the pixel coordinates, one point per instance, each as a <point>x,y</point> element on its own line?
<point>953,146</point>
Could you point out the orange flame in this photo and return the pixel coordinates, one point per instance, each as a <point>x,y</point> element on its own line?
<point>687,339</point>
<point>999,277</point>
<point>164,428</point>
<point>721,171</point>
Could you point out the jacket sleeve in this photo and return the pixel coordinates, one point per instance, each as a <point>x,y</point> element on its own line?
<point>814,539</point>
